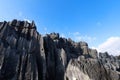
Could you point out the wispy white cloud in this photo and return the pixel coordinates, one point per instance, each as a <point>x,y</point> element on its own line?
<point>1,18</point>
<point>85,38</point>
<point>45,30</point>
<point>78,37</point>
<point>62,35</point>
<point>111,45</point>
<point>76,33</point>
<point>27,20</point>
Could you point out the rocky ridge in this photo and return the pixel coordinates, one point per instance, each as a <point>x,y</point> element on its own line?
<point>27,55</point>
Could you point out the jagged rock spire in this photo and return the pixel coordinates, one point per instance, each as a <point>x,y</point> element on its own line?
<point>26,55</point>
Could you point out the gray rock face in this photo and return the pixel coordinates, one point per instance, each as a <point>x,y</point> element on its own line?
<point>109,61</point>
<point>22,54</point>
<point>26,55</point>
<point>89,69</point>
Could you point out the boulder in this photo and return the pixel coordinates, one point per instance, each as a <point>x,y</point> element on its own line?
<point>93,53</point>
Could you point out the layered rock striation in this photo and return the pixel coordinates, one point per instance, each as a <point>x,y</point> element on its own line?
<point>27,55</point>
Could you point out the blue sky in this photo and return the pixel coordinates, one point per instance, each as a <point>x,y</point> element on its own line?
<point>95,21</point>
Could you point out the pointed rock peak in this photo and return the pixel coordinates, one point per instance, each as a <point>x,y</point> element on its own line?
<point>22,23</point>
<point>14,22</point>
<point>82,43</point>
<point>33,24</point>
<point>26,24</point>
<point>54,35</point>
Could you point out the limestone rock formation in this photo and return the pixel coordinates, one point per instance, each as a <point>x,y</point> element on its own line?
<point>27,55</point>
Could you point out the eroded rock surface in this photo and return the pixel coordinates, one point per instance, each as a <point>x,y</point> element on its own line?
<point>27,55</point>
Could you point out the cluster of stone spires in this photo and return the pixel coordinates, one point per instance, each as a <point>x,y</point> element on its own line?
<point>27,55</point>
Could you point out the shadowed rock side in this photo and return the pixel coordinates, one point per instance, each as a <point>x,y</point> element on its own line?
<point>26,55</point>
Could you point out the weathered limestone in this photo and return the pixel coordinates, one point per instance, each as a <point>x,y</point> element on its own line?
<point>27,55</point>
